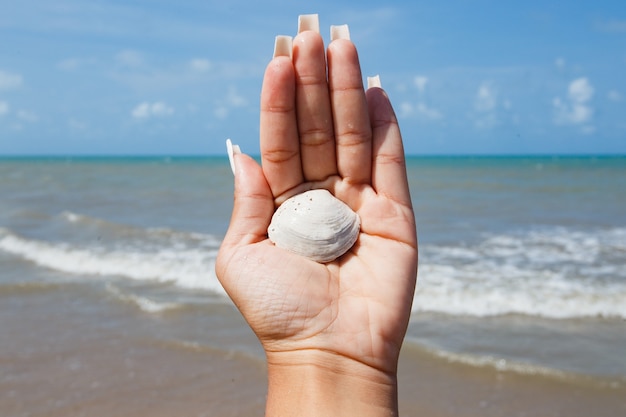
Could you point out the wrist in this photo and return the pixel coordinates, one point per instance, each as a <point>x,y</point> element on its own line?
<point>320,383</point>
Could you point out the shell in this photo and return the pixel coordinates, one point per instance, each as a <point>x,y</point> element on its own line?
<point>315,224</point>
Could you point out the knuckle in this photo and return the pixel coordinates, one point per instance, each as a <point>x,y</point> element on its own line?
<point>352,137</point>
<point>316,136</point>
<point>278,155</point>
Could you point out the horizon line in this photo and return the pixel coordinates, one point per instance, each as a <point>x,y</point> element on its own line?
<point>218,155</point>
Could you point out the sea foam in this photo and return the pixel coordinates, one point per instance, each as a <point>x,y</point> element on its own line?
<point>185,266</point>
<point>554,273</point>
<point>145,304</point>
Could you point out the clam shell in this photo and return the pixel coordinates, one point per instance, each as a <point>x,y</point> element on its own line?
<point>315,224</point>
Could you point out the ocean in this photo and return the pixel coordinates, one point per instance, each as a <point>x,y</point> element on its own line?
<point>109,303</point>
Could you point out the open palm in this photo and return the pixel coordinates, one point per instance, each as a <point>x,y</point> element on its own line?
<point>321,129</point>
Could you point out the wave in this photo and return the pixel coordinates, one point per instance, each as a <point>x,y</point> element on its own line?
<point>554,273</point>
<point>145,235</point>
<point>145,304</point>
<point>500,364</point>
<point>188,264</point>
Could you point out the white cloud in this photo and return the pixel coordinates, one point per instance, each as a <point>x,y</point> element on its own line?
<point>27,116</point>
<point>567,113</point>
<point>486,98</point>
<point>613,25</point>
<point>580,91</point>
<point>234,99</point>
<point>129,58</point>
<point>420,82</point>
<point>231,101</point>
<point>588,130</point>
<point>150,78</point>
<point>485,106</point>
<point>420,110</point>
<point>614,95</point>
<point>576,109</point>
<point>486,121</point>
<point>200,64</point>
<point>73,64</point>
<point>427,112</point>
<point>69,64</point>
<point>75,124</point>
<point>221,112</point>
<point>142,111</point>
<point>405,109</point>
<point>146,110</point>
<point>4,108</point>
<point>161,109</point>
<point>559,63</point>
<point>9,81</point>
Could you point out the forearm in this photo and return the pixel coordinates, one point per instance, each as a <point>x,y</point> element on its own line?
<point>322,384</point>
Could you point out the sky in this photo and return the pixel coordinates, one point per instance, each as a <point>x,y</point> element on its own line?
<point>131,77</point>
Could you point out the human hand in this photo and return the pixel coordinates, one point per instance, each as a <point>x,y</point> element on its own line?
<point>347,317</point>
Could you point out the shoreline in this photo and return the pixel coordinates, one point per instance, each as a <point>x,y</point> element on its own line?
<point>86,355</point>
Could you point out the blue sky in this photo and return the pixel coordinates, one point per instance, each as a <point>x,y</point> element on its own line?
<point>179,77</point>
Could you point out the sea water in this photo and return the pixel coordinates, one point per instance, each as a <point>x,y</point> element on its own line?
<point>522,260</point>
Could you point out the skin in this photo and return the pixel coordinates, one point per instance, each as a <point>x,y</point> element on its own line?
<point>331,332</point>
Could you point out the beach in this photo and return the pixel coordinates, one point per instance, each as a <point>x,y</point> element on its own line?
<point>109,303</point>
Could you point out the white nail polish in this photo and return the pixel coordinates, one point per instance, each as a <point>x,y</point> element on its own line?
<point>308,22</point>
<point>231,150</point>
<point>339,32</point>
<point>283,46</point>
<point>374,82</point>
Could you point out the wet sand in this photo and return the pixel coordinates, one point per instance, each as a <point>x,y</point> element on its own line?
<point>67,352</point>
<point>433,387</point>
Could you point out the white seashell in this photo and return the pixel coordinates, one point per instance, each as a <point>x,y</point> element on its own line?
<point>315,224</point>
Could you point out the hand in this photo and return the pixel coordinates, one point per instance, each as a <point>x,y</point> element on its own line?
<point>347,318</point>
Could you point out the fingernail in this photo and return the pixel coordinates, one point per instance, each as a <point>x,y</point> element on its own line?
<point>308,22</point>
<point>231,150</point>
<point>374,82</point>
<point>283,46</point>
<point>339,32</point>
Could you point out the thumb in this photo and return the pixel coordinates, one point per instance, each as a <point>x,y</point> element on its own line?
<point>253,204</point>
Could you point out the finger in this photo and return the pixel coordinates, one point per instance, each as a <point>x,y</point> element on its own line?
<point>253,205</point>
<point>351,120</point>
<point>280,149</point>
<point>317,144</point>
<point>389,167</point>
